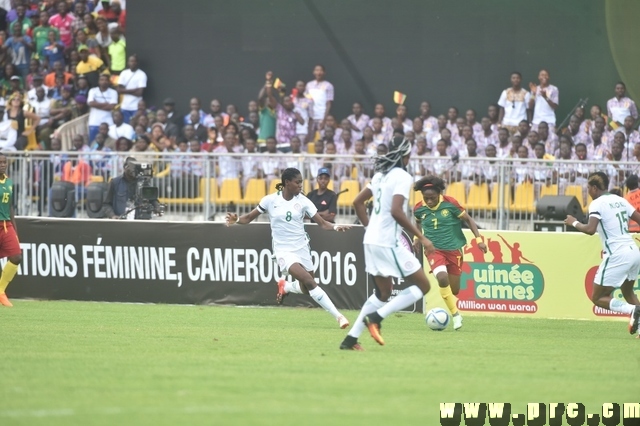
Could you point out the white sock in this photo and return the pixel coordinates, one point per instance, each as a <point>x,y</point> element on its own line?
<point>407,297</point>
<point>617,305</point>
<point>292,287</point>
<point>371,305</point>
<point>323,300</point>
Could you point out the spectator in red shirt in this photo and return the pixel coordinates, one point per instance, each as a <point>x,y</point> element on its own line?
<point>63,21</point>
<point>107,12</point>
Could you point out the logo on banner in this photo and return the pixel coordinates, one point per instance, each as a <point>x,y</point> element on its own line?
<point>503,280</point>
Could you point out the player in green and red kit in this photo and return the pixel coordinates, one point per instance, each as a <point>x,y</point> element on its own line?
<point>9,243</point>
<point>440,218</point>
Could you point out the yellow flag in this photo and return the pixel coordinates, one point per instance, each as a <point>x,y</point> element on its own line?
<point>399,98</point>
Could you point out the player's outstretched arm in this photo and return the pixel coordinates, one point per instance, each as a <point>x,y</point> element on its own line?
<point>474,228</point>
<point>233,218</point>
<point>360,207</point>
<point>589,229</point>
<point>327,226</point>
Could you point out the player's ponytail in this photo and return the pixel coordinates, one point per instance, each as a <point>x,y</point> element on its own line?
<point>430,182</point>
<point>288,174</point>
<point>600,180</point>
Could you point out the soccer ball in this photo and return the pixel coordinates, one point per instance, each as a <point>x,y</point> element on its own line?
<point>437,319</point>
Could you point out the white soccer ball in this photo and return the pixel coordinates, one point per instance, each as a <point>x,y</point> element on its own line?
<point>437,319</point>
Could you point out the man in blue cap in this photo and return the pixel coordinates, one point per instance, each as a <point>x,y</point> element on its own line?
<point>324,198</point>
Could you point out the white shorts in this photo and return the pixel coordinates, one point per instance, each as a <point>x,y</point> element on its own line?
<point>285,259</point>
<point>390,261</point>
<point>621,266</point>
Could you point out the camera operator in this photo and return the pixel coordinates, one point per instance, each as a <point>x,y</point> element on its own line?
<point>121,196</point>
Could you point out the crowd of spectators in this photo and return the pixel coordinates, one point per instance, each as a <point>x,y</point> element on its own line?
<point>66,58</point>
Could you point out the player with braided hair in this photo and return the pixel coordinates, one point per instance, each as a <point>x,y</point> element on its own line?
<point>440,217</point>
<point>287,209</point>
<point>384,257</point>
<point>609,216</point>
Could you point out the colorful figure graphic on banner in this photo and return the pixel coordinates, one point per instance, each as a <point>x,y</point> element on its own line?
<point>516,254</point>
<point>499,286</point>
<point>475,251</point>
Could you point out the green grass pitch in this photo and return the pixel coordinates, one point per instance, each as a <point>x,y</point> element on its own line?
<point>75,363</point>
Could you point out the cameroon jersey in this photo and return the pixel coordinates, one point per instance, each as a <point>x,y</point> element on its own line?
<point>6,198</point>
<point>442,224</point>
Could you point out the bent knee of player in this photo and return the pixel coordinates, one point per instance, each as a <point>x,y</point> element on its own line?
<point>441,275</point>
<point>16,260</point>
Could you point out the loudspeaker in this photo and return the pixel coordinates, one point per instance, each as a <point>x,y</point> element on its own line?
<point>63,199</point>
<point>557,207</point>
<point>96,196</point>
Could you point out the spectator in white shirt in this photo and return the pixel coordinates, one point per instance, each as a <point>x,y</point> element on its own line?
<point>229,167</point>
<point>513,104</point>
<point>119,128</point>
<point>101,100</point>
<point>250,163</point>
<point>321,91</point>
<point>543,101</point>
<point>42,108</point>
<point>271,163</point>
<point>303,105</point>
<point>358,120</point>
<point>37,82</point>
<point>620,106</point>
<point>131,85</point>
<point>471,121</point>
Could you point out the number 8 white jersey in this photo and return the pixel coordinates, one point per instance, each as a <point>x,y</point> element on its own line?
<point>287,220</point>
<point>614,213</point>
<point>383,230</point>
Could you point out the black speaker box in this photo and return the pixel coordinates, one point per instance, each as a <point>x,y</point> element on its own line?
<point>96,196</point>
<point>62,199</point>
<point>557,207</point>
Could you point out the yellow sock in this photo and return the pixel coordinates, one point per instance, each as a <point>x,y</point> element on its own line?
<point>446,294</point>
<point>9,271</point>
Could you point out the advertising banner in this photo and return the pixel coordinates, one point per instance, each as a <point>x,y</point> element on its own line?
<point>536,274</point>
<point>176,262</point>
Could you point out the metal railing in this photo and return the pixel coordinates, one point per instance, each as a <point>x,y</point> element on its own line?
<point>498,193</point>
<point>77,126</point>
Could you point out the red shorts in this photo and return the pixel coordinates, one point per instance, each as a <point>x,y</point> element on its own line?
<point>449,259</point>
<point>9,243</point>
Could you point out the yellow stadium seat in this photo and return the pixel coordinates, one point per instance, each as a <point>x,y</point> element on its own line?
<point>346,198</point>
<point>495,195</point>
<point>306,186</point>
<point>213,194</point>
<point>523,198</point>
<point>272,186</point>
<point>457,191</point>
<point>311,148</point>
<point>478,198</point>
<point>213,189</point>
<point>548,190</point>
<point>98,179</point>
<point>230,192</point>
<point>576,191</point>
<point>254,191</point>
<point>414,198</point>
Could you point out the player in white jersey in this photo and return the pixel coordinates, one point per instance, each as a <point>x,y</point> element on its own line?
<point>287,209</point>
<point>384,257</point>
<point>609,216</point>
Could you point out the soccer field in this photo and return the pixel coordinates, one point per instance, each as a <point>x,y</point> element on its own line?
<point>76,363</point>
